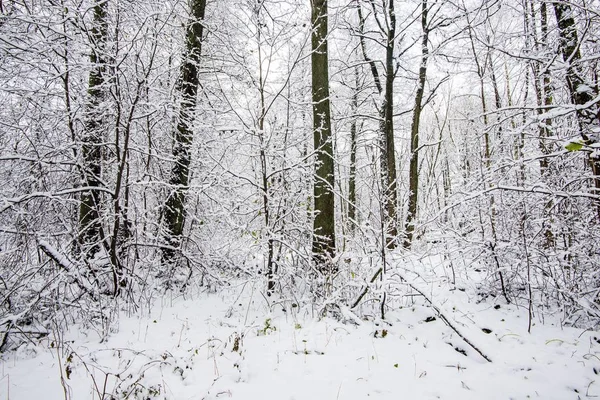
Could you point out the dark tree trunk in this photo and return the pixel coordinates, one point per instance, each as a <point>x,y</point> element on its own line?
<point>174,208</point>
<point>388,151</point>
<point>581,93</point>
<point>544,98</point>
<point>413,175</point>
<point>324,222</point>
<point>544,91</point>
<point>90,227</point>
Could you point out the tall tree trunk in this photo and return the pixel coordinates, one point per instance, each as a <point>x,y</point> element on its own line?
<point>388,150</point>
<point>323,247</point>
<point>174,208</point>
<point>543,93</point>
<point>480,68</point>
<point>413,175</point>
<point>264,162</point>
<point>352,178</point>
<point>90,227</point>
<point>581,92</point>
<point>391,188</point>
<point>543,90</point>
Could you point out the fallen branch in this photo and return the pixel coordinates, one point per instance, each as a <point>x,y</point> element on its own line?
<point>63,262</point>
<point>447,321</point>
<point>366,288</point>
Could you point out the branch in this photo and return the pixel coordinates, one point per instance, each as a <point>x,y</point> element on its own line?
<point>366,288</point>
<point>31,196</point>
<point>446,320</point>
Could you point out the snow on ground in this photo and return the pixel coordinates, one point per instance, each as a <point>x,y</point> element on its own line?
<point>230,345</point>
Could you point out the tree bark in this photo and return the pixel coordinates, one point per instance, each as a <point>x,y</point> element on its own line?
<point>581,93</point>
<point>413,175</point>
<point>388,150</point>
<point>389,156</point>
<point>174,208</point>
<point>90,227</point>
<point>544,99</point>
<point>264,163</point>
<point>543,90</point>
<point>352,179</point>
<point>323,246</point>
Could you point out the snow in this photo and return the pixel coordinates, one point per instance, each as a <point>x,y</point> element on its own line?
<point>583,88</point>
<point>233,344</point>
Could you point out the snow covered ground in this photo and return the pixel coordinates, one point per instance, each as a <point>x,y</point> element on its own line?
<point>233,345</point>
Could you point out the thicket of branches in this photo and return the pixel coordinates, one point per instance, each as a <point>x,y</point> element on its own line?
<point>168,145</point>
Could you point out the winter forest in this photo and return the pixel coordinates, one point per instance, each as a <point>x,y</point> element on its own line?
<point>203,199</point>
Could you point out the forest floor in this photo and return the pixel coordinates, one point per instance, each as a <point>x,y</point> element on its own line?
<point>233,345</point>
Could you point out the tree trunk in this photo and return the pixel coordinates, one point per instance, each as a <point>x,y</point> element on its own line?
<point>90,228</point>
<point>323,247</point>
<point>352,178</point>
<point>480,68</point>
<point>581,93</point>
<point>543,93</point>
<point>388,151</point>
<point>389,155</point>
<point>264,163</point>
<point>174,208</point>
<point>413,175</point>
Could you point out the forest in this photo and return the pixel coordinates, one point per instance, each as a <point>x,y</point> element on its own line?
<point>342,158</point>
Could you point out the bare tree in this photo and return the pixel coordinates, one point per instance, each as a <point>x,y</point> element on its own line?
<point>413,174</point>
<point>581,91</point>
<point>174,208</point>
<point>324,200</point>
<point>386,112</point>
<point>353,149</point>
<point>91,236</point>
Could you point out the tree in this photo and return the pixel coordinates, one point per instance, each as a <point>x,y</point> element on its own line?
<point>413,174</point>
<point>174,208</point>
<point>582,93</point>
<point>90,227</point>
<point>323,246</point>
<point>543,91</point>
<point>386,114</point>
<point>434,18</point>
<point>260,47</point>
<point>353,149</point>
